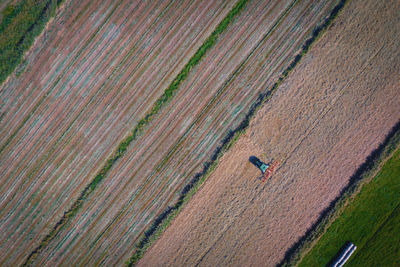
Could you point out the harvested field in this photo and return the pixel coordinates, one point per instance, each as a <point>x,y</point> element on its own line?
<point>334,109</point>
<point>93,74</point>
<point>158,164</point>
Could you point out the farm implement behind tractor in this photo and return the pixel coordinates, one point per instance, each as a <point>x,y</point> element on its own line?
<point>266,169</point>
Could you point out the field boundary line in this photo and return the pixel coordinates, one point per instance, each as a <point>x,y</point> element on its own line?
<point>137,130</point>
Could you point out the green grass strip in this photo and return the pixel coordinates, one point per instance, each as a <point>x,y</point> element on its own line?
<point>21,23</point>
<point>164,219</point>
<point>122,147</point>
<point>367,221</point>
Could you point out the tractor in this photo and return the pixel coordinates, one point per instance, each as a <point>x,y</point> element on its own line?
<point>265,168</point>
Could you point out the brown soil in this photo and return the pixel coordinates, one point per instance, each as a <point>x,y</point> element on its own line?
<point>334,109</point>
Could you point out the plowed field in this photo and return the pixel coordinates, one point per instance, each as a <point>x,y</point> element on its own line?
<point>334,109</point>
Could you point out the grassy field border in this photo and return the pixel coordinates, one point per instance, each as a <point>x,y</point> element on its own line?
<point>15,48</point>
<point>138,129</point>
<point>163,221</point>
<point>363,175</point>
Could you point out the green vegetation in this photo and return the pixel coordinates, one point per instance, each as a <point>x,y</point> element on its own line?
<point>163,221</point>
<point>122,147</point>
<point>370,221</point>
<point>21,24</point>
<point>384,247</point>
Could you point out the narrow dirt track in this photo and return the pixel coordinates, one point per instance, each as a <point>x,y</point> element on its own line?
<point>334,109</point>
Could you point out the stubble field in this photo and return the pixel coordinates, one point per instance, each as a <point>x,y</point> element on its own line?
<point>100,68</point>
<point>334,109</point>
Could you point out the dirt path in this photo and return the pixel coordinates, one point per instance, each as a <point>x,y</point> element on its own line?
<point>322,123</point>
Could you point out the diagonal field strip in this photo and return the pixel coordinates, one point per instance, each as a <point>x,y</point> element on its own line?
<point>329,108</point>
<point>168,94</point>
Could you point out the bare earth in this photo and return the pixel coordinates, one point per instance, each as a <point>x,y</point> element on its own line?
<point>322,123</point>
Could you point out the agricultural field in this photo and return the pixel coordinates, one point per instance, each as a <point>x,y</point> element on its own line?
<point>332,111</point>
<point>94,145</point>
<point>182,136</point>
<point>370,221</point>
<point>119,105</point>
<point>92,75</point>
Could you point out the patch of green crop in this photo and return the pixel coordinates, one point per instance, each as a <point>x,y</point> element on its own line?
<point>370,221</point>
